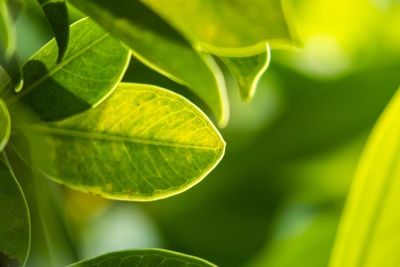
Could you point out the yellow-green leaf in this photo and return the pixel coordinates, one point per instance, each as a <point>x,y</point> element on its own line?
<point>228,28</point>
<point>367,235</point>
<point>248,71</point>
<point>144,258</point>
<point>93,65</point>
<point>5,125</point>
<point>14,222</point>
<point>161,48</point>
<point>142,143</point>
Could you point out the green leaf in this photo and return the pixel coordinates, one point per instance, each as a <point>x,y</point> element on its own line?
<point>93,65</point>
<point>161,48</point>
<point>8,59</point>
<point>7,31</point>
<point>144,258</point>
<point>367,233</point>
<point>142,143</point>
<point>248,71</point>
<point>5,125</point>
<point>57,14</point>
<point>227,28</point>
<point>13,68</point>
<point>14,223</point>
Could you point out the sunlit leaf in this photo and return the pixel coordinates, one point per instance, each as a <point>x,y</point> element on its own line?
<point>160,47</point>
<point>57,14</point>
<point>367,234</point>
<point>14,222</point>
<point>5,125</point>
<point>142,143</point>
<point>144,258</point>
<point>228,28</point>
<point>93,65</point>
<point>248,71</point>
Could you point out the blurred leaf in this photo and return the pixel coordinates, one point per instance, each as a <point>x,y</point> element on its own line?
<point>248,71</point>
<point>93,65</point>
<point>160,47</point>
<point>14,223</point>
<point>13,68</point>
<point>8,58</point>
<point>161,143</point>
<point>227,28</point>
<point>367,233</point>
<point>57,14</point>
<point>144,258</point>
<point>5,125</point>
<point>7,31</point>
<point>50,244</point>
<point>307,247</point>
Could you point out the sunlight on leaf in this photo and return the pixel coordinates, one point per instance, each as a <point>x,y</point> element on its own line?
<point>93,65</point>
<point>14,222</point>
<point>161,48</point>
<point>145,258</point>
<point>248,71</point>
<point>367,233</point>
<point>142,143</point>
<point>227,28</point>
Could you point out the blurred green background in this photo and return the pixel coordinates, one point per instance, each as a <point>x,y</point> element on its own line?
<point>276,197</point>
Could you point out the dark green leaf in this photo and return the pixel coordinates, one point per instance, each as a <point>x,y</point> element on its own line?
<point>145,258</point>
<point>160,47</point>
<point>93,65</point>
<point>142,143</point>
<point>248,71</point>
<point>14,222</point>
<point>57,14</point>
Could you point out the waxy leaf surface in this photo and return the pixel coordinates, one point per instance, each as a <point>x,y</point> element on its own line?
<point>368,232</point>
<point>14,222</point>
<point>248,71</point>
<point>142,143</point>
<point>226,27</point>
<point>161,48</point>
<point>144,258</point>
<point>92,66</point>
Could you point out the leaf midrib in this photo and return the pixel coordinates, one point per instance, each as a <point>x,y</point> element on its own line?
<point>113,137</point>
<point>58,67</point>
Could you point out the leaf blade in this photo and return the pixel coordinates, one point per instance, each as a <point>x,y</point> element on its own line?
<point>248,71</point>
<point>161,142</point>
<point>161,48</point>
<point>15,222</point>
<point>94,64</point>
<point>364,237</point>
<point>56,12</point>
<point>224,28</point>
<point>144,257</point>
<point>5,125</point>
